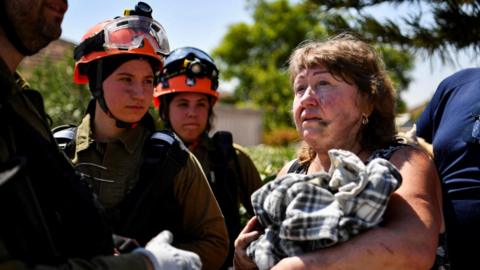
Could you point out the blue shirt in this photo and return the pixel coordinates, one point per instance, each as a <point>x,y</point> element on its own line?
<point>448,123</point>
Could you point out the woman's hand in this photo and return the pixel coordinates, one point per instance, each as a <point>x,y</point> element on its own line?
<point>248,234</point>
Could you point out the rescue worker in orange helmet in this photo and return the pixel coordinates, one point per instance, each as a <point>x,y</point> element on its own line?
<point>146,179</point>
<point>49,217</point>
<point>185,95</point>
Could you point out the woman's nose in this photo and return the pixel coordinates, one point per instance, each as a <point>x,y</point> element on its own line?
<point>309,98</point>
<point>137,90</point>
<point>191,112</point>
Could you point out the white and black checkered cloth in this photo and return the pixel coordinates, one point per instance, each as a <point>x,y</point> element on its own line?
<point>303,213</point>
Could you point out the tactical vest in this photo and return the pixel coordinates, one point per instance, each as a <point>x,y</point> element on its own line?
<point>150,206</point>
<point>48,214</point>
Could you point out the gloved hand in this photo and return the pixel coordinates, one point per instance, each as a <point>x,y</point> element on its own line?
<point>164,256</point>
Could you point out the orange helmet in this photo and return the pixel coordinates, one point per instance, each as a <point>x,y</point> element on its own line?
<point>130,34</point>
<point>187,69</point>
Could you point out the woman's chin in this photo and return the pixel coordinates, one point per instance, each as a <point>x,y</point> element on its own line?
<point>311,133</point>
<point>131,120</point>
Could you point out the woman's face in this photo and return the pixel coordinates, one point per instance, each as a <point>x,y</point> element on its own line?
<point>326,110</point>
<point>128,91</point>
<point>188,115</point>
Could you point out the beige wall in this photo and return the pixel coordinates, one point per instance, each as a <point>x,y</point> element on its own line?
<point>245,124</point>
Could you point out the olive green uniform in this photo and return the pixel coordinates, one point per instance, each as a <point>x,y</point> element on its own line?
<point>248,173</point>
<point>199,213</point>
<point>240,171</point>
<point>32,116</point>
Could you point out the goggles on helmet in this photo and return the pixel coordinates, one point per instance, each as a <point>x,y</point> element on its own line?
<point>126,33</point>
<point>129,32</point>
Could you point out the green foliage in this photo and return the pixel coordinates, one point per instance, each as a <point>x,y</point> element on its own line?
<point>397,64</point>
<point>453,25</point>
<point>257,55</point>
<point>270,159</point>
<point>65,101</point>
<point>281,137</point>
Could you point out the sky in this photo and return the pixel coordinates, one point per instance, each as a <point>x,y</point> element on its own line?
<point>202,24</point>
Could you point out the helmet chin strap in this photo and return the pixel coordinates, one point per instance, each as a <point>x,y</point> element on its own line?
<point>98,95</point>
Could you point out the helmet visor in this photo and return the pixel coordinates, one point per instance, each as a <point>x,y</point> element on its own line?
<point>130,32</point>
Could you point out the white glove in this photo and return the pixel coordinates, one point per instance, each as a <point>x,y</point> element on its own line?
<point>164,256</point>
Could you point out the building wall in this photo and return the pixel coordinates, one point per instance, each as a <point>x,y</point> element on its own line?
<point>245,124</point>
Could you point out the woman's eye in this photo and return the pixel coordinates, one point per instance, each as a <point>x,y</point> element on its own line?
<point>323,83</point>
<point>299,89</point>
<point>149,81</point>
<point>125,79</point>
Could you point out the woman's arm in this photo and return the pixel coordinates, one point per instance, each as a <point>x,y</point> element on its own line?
<point>407,239</point>
<point>249,233</point>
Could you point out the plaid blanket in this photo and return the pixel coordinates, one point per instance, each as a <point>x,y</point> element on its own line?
<point>302,213</point>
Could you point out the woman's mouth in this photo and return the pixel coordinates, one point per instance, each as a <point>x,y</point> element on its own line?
<point>135,107</point>
<point>307,121</point>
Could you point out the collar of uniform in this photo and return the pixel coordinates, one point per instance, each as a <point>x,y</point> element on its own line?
<point>84,135</point>
<point>20,81</point>
<point>12,86</point>
<point>7,76</point>
<point>129,139</point>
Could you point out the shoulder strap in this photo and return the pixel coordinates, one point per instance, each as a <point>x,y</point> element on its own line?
<point>296,167</point>
<point>163,144</point>
<point>65,137</point>
<point>142,212</point>
<point>387,152</point>
<point>224,142</point>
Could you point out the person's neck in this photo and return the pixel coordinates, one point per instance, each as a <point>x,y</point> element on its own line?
<point>193,145</point>
<point>9,54</point>
<point>104,126</point>
<point>322,161</point>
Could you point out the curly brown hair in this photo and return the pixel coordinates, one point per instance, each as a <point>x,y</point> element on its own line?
<point>354,61</point>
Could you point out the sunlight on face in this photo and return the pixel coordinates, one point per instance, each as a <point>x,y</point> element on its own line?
<point>36,22</point>
<point>188,115</point>
<point>128,90</point>
<point>325,109</point>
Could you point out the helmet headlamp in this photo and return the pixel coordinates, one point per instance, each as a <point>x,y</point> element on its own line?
<point>190,70</point>
<point>141,9</point>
